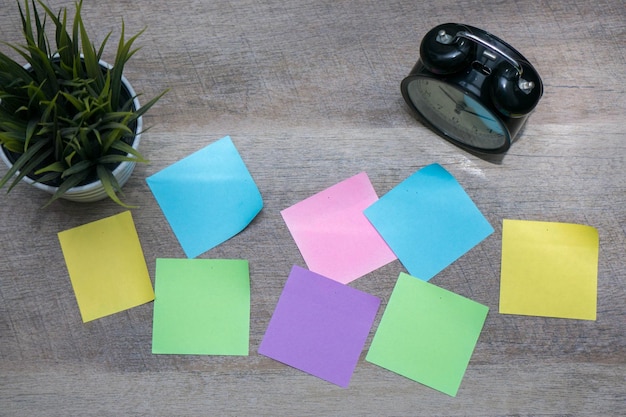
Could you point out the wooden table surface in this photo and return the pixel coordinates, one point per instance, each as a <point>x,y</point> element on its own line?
<point>309,93</point>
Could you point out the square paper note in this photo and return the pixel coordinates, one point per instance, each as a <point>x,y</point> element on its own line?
<point>106,266</point>
<point>319,326</point>
<point>202,307</point>
<point>207,197</point>
<point>427,334</point>
<point>549,269</point>
<point>428,221</point>
<point>335,238</point>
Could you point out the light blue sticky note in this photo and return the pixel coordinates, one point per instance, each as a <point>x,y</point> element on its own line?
<point>429,221</point>
<point>207,197</point>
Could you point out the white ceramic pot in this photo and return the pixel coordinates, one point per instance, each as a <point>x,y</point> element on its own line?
<point>94,191</point>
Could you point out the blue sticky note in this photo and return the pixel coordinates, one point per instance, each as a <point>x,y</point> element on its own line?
<point>207,197</point>
<point>429,221</point>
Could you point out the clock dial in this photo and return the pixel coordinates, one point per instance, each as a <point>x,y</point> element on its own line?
<point>456,114</point>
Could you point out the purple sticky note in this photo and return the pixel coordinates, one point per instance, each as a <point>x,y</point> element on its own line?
<point>320,326</point>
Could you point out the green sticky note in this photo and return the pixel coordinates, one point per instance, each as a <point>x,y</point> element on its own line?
<point>201,307</point>
<point>427,334</point>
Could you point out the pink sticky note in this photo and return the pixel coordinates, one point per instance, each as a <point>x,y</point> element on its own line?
<point>334,236</point>
<point>320,326</point>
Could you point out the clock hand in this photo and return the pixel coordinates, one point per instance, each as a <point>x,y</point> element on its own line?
<point>482,116</point>
<point>447,94</point>
<point>463,106</point>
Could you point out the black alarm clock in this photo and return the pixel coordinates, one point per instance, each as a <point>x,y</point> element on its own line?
<point>472,88</point>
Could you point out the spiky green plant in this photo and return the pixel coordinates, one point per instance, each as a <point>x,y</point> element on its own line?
<point>65,118</point>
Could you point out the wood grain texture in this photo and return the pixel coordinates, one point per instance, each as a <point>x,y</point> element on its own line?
<point>309,92</point>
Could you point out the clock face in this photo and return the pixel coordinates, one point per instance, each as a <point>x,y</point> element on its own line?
<point>456,114</point>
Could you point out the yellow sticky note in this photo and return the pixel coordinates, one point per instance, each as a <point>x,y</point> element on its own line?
<point>106,266</point>
<point>549,269</point>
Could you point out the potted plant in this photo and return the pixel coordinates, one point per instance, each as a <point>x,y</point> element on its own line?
<point>69,122</point>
